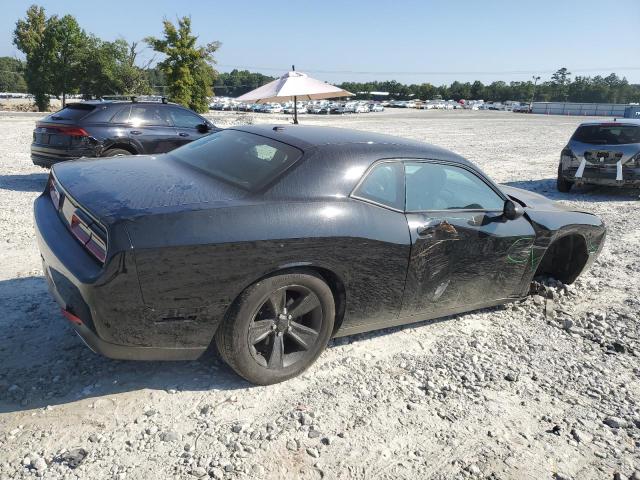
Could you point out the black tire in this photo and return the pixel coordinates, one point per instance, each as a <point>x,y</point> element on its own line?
<point>562,184</point>
<point>116,152</point>
<point>274,351</point>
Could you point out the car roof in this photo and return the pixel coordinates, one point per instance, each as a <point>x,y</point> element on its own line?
<point>621,121</point>
<point>319,138</point>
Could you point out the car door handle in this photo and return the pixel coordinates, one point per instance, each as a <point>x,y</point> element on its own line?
<point>429,227</point>
<point>183,134</point>
<point>135,132</point>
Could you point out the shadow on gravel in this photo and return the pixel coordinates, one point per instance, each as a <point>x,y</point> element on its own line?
<point>586,193</point>
<point>43,362</point>
<point>32,182</point>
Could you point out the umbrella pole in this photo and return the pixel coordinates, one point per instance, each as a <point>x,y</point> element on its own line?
<point>295,110</point>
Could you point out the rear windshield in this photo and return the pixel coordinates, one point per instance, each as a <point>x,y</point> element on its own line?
<point>74,111</point>
<point>242,159</point>
<point>607,134</point>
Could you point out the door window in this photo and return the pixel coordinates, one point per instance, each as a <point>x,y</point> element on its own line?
<point>185,119</point>
<point>434,186</point>
<point>143,115</point>
<point>383,185</point>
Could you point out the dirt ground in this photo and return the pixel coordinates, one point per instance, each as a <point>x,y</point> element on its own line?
<point>545,388</point>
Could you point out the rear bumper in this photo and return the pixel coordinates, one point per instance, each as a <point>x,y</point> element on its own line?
<point>609,175</point>
<point>102,299</point>
<point>47,156</point>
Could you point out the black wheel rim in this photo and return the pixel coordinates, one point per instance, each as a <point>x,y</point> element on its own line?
<point>286,327</point>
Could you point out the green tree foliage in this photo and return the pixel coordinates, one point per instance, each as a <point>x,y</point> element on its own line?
<point>65,43</point>
<point>187,66</point>
<point>29,37</point>
<point>12,75</point>
<point>238,82</point>
<point>609,89</point>
<point>560,81</point>
<point>109,68</point>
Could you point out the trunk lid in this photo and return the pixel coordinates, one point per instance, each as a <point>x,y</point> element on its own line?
<point>130,186</point>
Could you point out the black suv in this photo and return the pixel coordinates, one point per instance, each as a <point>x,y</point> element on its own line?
<point>110,128</point>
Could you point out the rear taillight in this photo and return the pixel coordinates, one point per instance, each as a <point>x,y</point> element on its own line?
<point>71,317</point>
<point>88,236</point>
<point>54,194</point>
<point>72,131</point>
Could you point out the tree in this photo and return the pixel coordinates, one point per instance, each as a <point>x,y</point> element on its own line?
<point>238,82</point>
<point>109,68</point>
<point>187,67</point>
<point>561,80</point>
<point>12,75</point>
<point>66,42</point>
<point>29,37</point>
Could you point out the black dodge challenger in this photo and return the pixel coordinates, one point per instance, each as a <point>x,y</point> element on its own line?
<point>271,240</point>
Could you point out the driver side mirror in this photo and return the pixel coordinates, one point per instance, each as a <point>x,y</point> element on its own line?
<point>204,128</point>
<point>512,210</point>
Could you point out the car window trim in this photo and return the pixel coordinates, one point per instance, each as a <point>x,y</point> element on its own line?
<point>405,160</point>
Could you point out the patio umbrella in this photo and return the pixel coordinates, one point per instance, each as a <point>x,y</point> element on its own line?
<point>293,86</point>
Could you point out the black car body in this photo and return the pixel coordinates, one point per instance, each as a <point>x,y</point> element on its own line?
<point>167,248</point>
<point>108,128</point>
<point>602,153</point>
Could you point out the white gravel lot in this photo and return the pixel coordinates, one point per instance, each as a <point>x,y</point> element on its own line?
<point>545,388</point>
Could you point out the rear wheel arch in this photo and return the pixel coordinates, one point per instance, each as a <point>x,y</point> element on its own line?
<point>332,279</point>
<point>565,258</point>
<point>120,146</point>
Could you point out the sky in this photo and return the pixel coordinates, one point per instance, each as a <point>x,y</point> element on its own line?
<point>434,41</point>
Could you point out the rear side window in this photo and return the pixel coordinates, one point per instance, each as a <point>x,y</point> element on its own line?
<point>73,111</point>
<point>155,115</point>
<point>611,134</point>
<point>384,185</point>
<point>243,159</point>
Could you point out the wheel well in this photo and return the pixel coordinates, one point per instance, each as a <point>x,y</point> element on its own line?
<point>122,146</point>
<point>333,280</point>
<point>565,258</point>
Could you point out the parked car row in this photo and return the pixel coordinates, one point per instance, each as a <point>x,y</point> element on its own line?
<point>316,107</point>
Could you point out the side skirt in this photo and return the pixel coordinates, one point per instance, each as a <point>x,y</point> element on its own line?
<point>394,322</point>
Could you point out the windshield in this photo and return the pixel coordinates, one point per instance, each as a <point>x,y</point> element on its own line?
<point>242,159</point>
<point>607,134</point>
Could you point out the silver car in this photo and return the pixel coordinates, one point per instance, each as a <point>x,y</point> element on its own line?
<point>601,153</point>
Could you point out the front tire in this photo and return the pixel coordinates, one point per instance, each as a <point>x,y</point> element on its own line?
<point>562,184</point>
<point>277,328</point>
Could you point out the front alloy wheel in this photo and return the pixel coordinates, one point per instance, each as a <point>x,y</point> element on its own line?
<point>278,327</point>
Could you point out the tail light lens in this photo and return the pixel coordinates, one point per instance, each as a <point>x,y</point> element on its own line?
<point>54,194</point>
<point>81,228</point>
<point>72,131</point>
<point>567,156</point>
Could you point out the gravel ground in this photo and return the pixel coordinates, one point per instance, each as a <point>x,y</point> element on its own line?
<point>544,388</point>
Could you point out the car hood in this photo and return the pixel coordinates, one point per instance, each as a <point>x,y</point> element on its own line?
<point>130,186</point>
